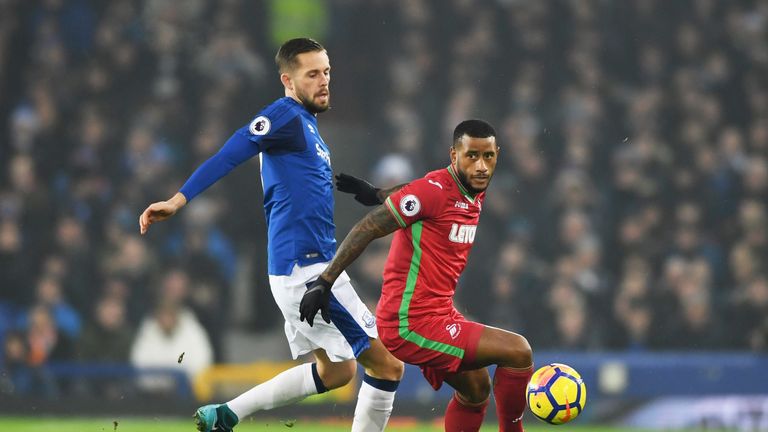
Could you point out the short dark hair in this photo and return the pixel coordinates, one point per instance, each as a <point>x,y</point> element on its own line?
<point>473,128</point>
<point>286,55</point>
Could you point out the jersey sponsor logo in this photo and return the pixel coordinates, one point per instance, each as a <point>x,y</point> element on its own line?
<point>435,183</point>
<point>369,320</point>
<point>461,205</point>
<point>259,126</point>
<point>462,233</point>
<point>453,330</point>
<point>323,154</point>
<point>410,205</point>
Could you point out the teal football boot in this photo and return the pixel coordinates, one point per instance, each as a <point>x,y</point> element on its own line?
<point>215,417</point>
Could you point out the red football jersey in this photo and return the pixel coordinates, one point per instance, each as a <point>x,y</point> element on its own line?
<point>438,219</point>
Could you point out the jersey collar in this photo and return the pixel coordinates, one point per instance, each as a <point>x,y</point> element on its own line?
<point>463,190</point>
<point>301,106</point>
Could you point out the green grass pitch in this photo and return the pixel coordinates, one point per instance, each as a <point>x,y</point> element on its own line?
<point>131,424</point>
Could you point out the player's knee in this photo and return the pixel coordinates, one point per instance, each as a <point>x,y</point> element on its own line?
<point>523,354</point>
<point>395,370</point>
<point>338,375</point>
<point>390,369</point>
<point>518,353</point>
<point>380,363</point>
<point>478,390</point>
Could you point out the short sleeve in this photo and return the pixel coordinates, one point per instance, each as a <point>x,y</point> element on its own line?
<point>418,200</point>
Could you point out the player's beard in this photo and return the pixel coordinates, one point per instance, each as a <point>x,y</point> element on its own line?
<point>311,106</point>
<point>464,179</point>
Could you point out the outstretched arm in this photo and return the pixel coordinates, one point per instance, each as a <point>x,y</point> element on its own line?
<point>378,223</point>
<point>365,193</point>
<point>235,151</point>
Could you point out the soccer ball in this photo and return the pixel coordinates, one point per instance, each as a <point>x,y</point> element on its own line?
<point>556,393</point>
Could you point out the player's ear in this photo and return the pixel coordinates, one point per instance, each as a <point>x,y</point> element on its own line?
<point>286,80</point>
<point>453,155</point>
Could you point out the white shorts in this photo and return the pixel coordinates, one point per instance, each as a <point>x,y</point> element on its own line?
<point>352,324</point>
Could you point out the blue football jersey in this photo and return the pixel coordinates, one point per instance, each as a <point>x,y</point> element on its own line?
<point>297,180</point>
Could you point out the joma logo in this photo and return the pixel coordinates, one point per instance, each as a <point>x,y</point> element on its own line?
<point>462,233</point>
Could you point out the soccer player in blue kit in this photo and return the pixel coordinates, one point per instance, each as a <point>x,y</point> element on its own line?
<point>298,202</point>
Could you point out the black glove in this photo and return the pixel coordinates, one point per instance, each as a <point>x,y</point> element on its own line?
<point>365,192</point>
<point>316,299</point>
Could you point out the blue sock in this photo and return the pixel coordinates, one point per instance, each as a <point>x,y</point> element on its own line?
<point>381,384</point>
<point>318,382</point>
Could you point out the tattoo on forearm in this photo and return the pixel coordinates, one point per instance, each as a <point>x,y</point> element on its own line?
<point>375,224</point>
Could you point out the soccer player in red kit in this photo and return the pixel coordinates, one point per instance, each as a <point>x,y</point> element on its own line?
<point>434,219</point>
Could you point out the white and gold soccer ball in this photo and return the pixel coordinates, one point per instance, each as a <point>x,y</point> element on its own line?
<point>556,393</point>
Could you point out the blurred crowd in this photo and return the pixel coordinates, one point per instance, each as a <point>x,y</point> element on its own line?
<point>628,211</point>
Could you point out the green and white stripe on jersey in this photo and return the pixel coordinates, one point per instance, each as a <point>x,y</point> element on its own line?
<point>410,286</point>
<point>392,209</point>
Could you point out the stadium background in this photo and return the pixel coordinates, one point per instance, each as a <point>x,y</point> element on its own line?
<point>625,230</point>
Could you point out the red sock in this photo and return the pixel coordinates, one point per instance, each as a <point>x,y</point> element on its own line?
<point>464,418</point>
<point>509,387</point>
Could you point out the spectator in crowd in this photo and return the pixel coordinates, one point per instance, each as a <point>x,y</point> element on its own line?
<point>16,377</point>
<point>107,338</point>
<point>171,337</point>
<point>748,315</point>
<point>49,295</point>
<point>13,275</point>
<point>19,377</point>
<point>105,342</point>
<point>45,340</point>
<point>518,277</point>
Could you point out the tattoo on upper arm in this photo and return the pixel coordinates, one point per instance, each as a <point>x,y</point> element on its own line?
<point>379,222</point>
